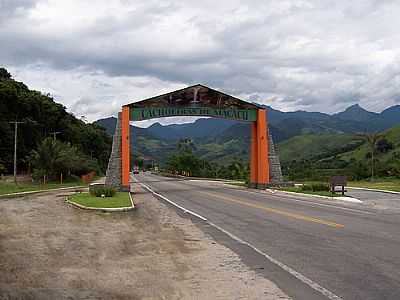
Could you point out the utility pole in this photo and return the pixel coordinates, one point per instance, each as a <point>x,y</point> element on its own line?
<point>15,148</point>
<point>54,133</point>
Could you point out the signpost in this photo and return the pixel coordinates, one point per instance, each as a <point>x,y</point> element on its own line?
<point>335,181</point>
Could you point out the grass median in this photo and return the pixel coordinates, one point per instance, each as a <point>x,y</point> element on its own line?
<point>120,199</point>
<point>379,184</point>
<point>318,193</point>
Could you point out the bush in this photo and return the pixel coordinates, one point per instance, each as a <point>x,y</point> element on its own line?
<point>315,187</point>
<point>306,187</point>
<point>103,190</point>
<point>320,187</point>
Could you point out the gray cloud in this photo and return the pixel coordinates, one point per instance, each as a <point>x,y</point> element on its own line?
<point>314,55</point>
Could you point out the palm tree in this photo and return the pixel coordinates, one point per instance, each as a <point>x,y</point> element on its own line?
<point>186,145</point>
<point>371,139</point>
<point>48,157</point>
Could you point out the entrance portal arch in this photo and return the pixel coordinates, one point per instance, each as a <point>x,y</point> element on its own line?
<point>196,100</point>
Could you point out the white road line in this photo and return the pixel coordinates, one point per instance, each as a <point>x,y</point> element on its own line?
<point>173,203</point>
<point>315,286</point>
<point>309,203</point>
<point>327,205</point>
<point>301,277</point>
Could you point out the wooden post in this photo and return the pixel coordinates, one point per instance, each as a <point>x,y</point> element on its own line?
<point>125,149</point>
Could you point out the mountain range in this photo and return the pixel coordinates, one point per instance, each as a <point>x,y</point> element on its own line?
<point>221,139</point>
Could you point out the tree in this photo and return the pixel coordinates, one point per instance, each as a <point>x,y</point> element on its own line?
<point>371,139</point>
<point>186,145</point>
<point>42,115</point>
<point>183,160</point>
<point>53,158</point>
<point>48,158</point>
<point>383,145</point>
<point>4,74</point>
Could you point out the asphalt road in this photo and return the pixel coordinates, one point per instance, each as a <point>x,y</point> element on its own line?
<point>377,200</point>
<point>351,251</point>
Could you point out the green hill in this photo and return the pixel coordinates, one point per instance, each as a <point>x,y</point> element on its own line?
<point>320,156</point>
<point>41,116</point>
<point>387,153</point>
<point>316,146</point>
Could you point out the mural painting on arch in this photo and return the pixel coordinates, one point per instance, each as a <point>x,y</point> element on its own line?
<point>197,100</point>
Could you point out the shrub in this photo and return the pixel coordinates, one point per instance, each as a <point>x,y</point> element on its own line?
<point>306,187</point>
<point>315,187</point>
<point>103,190</point>
<point>320,187</point>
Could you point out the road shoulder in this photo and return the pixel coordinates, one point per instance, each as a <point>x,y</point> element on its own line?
<point>53,251</point>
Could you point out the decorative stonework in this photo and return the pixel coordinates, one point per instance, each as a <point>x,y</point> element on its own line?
<point>274,163</point>
<point>114,169</point>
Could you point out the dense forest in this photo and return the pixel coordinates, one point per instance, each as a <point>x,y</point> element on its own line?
<point>81,147</point>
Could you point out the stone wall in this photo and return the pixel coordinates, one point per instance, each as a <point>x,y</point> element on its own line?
<point>114,169</point>
<point>274,163</point>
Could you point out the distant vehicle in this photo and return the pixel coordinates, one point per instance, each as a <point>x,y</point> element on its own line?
<point>135,170</point>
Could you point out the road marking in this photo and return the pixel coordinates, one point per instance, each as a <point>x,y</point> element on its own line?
<point>313,204</point>
<point>269,209</point>
<point>299,276</point>
<point>309,203</point>
<point>278,211</point>
<point>315,286</point>
<point>172,203</point>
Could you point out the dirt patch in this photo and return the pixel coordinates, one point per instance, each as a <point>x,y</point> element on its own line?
<point>50,250</point>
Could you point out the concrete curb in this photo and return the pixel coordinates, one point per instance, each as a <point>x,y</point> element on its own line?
<point>346,199</point>
<point>22,194</point>
<point>373,190</point>
<point>104,209</point>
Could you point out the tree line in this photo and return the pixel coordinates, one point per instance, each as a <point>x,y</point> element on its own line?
<point>76,149</point>
<point>184,161</point>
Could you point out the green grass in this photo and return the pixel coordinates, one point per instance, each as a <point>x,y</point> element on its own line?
<point>120,199</point>
<point>359,154</point>
<point>380,184</point>
<point>391,184</point>
<point>310,145</point>
<point>9,187</point>
<point>319,193</point>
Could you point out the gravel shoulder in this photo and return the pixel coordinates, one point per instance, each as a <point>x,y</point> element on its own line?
<point>51,250</point>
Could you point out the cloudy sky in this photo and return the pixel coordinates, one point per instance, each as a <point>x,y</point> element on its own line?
<point>316,55</point>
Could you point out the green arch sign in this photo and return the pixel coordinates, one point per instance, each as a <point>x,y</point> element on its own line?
<point>139,114</point>
<point>197,100</point>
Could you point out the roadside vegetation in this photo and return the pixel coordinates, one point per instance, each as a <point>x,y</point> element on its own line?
<point>368,160</point>
<point>316,188</point>
<point>53,145</point>
<point>185,162</point>
<point>389,184</point>
<point>10,187</point>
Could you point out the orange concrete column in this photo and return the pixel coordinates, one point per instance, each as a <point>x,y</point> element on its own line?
<point>253,155</point>
<point>263,176</point>
<point>125,148</point>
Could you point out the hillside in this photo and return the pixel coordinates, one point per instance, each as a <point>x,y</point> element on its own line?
<point>384,155</point>
<point>41,116</point>
<point>283,125</point>
<point>320,156</point>
<point>316,146</point>
<point>326,150</point>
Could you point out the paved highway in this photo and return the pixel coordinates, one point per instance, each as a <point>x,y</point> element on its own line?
<point>312,249</point>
